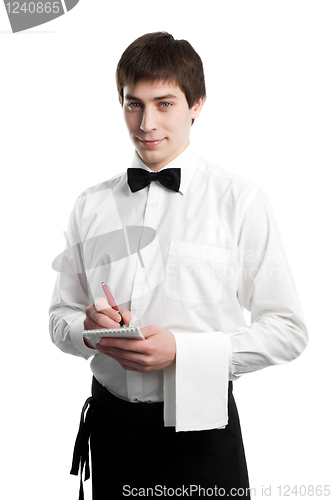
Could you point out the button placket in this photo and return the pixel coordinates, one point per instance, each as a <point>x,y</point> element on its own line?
<point>134,385</point>
<point>137,303</point>
<point>141,285</point>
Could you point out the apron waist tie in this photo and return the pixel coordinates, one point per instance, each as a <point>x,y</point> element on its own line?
<point>81,450</point>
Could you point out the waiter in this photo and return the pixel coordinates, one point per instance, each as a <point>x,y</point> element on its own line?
<point>184,246</point>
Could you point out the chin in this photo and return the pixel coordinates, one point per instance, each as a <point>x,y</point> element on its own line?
<point>151,156</point>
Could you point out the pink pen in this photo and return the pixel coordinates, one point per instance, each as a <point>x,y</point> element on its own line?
<point>111,300</point>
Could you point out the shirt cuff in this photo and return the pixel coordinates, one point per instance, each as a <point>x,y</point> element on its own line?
<point>76,335</point>
<point>196,385</point>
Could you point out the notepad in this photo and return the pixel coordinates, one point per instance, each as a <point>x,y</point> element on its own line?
<point>131,332</point>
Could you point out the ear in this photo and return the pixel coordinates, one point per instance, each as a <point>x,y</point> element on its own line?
<point>197,108</point>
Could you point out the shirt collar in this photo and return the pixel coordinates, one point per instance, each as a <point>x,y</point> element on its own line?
<point>187,161</point>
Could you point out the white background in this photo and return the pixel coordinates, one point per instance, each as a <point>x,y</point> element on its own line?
<point>267,117</point>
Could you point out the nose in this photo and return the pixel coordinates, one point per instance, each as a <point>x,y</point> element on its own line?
<point>149,121</point>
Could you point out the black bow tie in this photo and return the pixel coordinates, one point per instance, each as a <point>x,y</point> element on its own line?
<point>138,178</point>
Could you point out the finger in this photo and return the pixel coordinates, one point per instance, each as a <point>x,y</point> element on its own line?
<point>103,307</point>
<point>90,324</point>
<point>123,344</point>
<point>128,364</point>
<point>101,303</point>
<point>147,331</point>
<point>126,315</point>
<point>104,320</point>
<point>125,366</point>
<point>88,344</point>
<point>121,354</point>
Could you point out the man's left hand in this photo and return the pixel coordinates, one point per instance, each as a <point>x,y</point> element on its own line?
<point>154,353</point>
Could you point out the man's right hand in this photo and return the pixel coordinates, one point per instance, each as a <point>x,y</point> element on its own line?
<point>101,315</point>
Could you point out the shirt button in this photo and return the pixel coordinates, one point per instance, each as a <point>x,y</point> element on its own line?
<point>138,322</point>
<point>153,204</point>
<point>141,282</point>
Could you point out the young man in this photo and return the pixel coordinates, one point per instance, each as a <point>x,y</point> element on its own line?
<point>184,246</point>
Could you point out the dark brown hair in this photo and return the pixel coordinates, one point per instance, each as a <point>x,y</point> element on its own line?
<point>159,57</point>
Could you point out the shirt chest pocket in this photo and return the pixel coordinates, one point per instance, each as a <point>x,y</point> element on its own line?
<point>195,273</point>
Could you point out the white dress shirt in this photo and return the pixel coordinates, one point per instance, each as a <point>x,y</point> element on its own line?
<point>188,262</point>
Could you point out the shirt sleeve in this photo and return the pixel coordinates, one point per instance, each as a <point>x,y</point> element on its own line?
<point>70,295</point>
<point>266,288</point>
<point>198,382</point>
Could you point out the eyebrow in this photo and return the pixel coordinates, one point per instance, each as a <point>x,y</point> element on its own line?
<point>167,96</point>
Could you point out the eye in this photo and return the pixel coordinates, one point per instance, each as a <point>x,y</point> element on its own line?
<point>134,105</point>
<point>165,105</point>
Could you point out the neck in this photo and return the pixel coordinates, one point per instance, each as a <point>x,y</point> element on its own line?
<point>155,167</point>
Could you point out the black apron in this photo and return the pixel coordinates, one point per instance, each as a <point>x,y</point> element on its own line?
<point>134,454</point>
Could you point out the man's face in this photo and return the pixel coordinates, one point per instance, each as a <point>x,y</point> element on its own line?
<point>158,119</point>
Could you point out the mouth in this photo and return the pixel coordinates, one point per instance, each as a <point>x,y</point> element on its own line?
<point>150,144</point>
